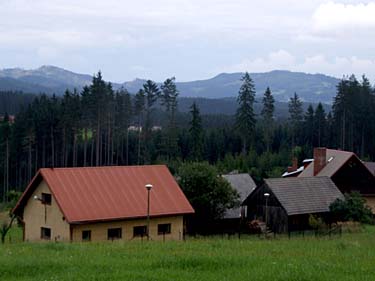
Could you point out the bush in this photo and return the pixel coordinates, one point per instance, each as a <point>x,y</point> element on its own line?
<point>316,222</point>
<point>352,208</point>
<point>209,194</point>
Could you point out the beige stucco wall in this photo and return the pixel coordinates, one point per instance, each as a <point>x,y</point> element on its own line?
<point>99,230</point>
<point>37,215</point>
<point>370,201</point>
<point>34,219</point>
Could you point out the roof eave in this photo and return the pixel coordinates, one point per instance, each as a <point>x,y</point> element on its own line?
<point>25,195</point>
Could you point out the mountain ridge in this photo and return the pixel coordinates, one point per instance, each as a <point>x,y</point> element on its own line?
<point>283,83</point>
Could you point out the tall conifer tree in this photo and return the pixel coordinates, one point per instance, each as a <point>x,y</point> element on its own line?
<point>295,116</point>
<point>196,133</point>
<point>245,116</point>
<point>267,116</point>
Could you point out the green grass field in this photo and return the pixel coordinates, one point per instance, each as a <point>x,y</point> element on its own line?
<point>350,257</point>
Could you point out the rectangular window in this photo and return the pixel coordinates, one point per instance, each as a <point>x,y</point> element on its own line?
<point>45,233</point>
<point>164,228</point>
<point>140,231</point>
<point>86,235</point>
<point>46,198</point>
<point>114,233</point>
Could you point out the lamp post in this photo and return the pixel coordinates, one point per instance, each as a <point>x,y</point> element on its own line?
<point>148,187</point>
<point>266,195</point>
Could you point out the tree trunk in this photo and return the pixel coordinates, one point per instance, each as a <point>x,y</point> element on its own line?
<point>52,148</point>
<point>92,153</point>
<point>63,155</point>
<point>74,149</point>
<point>7,164</point>
<point>127,146</point>
<point>97,156</point>
<point>343,131</point>
<point>85,147</point>
<point>29,162</point>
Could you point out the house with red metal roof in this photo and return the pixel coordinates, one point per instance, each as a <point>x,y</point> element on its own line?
<point>103,203</point>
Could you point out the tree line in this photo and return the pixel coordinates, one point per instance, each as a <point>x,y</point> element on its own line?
<point>100,126</point>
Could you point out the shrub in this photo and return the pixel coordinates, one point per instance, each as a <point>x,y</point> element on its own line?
<point>316,222</point>
<point>352,208</point>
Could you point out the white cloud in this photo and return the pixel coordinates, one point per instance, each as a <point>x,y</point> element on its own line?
<point>283,60</point>
<point>198,34</point>
<point>337,16</point>
<point>276,60</point>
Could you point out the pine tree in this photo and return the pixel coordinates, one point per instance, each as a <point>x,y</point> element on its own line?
<point>152,92</point>
<point>87,121</point>
<point>122,121</point>
<point>267,116</point>
<point>363,115</point>
<point>320,126</point>
<point>309,126</point>
<point>139,108</point>
<point>5,131</point>
<point>344,110</point>
<point>169,101</point>
<point>98,91</point>
<point>245,116</point>
<point>295,116</point>
<point>196,133</point>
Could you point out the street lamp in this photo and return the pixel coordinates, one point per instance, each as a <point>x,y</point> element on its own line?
<point>148,187</point>
<point>266,195</point>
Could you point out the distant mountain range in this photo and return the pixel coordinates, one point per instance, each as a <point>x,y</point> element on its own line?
<point>50,79</point>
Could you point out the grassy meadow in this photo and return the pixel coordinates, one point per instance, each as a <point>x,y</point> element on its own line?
<point>349,257</point>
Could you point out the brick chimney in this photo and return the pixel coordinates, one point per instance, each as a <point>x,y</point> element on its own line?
<point>294,166</point>
<point>320,156</point>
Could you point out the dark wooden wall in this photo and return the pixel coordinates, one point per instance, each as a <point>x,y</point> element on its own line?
<point>277,219</point>
<point>353,176</point>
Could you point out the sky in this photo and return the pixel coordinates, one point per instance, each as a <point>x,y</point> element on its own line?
<point>189,39</point>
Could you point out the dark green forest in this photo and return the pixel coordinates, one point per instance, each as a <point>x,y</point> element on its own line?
<point>99,126</point>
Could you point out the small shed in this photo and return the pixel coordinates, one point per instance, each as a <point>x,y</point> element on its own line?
<point>291,201</point>
<point>244,185</point>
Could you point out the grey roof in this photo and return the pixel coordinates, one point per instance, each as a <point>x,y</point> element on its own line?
<point>244,185</point>
<point>304,195</point>
<point>335,159</point>
<point>370,166</point>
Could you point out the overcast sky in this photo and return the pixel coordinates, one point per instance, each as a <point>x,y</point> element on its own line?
<point>189,39</point>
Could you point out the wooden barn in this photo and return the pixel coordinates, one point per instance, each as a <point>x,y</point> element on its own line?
<point>290,201</point>
<point>244,185</point>
<point>103,203</point>
<point>346,170</point>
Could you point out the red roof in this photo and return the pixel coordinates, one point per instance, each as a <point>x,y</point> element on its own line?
<point>110,193</point>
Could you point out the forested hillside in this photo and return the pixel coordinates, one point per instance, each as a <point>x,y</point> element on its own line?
<point>100,126</point>
<point>311,88</point>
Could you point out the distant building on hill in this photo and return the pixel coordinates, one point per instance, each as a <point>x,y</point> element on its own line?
<point>12,118</point>
<point>102,203</point>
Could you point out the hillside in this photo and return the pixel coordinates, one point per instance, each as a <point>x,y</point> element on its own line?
<point>51,79</point>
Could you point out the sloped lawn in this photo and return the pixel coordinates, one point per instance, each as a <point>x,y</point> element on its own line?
<point>350,257</point>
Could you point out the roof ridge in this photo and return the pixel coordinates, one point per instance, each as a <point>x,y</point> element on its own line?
<point>103,167</point>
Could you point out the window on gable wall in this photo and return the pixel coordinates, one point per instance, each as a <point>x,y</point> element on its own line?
<point>45,233</point>
<point>46,198</point>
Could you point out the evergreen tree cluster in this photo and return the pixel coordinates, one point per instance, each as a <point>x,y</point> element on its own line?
<point>99,126</point>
